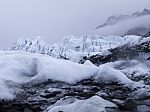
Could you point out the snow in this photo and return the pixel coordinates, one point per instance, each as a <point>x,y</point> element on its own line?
<point>133,67</point>
<point>21,67</point>
<point>75,48</point>
<point>105,53</point>
<point>141,93</point>
<point>123,27</point>
<point>34,46</point>
<point>109,75</point>
<point>63,70</point>
<point>132,39</point>
<point>18,68</point>
<point>89,63</point>
<point>71,47</point>
<point>93,104</point>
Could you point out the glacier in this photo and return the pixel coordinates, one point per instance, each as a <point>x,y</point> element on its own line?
<point>73,48</point>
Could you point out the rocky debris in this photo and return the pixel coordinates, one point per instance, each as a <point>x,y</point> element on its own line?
<point>145,78</point>
<point>143,108</point>
<point>141,94</point>
<point>38,97</point>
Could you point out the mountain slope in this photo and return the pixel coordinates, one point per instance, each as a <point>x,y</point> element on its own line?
<point>118,18</point>
<point>134,24</point>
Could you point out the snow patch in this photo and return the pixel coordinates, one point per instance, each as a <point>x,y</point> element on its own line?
<point>93,104</point>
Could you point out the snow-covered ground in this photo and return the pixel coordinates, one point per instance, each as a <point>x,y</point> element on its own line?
<point>18,67</point>
<point>22,67</point>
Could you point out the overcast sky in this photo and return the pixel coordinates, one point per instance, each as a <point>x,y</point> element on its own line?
<point>54,19</point>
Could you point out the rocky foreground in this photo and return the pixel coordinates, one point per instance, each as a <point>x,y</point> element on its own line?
<point>36,98</point>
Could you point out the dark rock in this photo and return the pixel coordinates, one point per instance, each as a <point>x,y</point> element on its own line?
<point>129,105</point>
<point>48,95</point>
<point>32,92</point>
<point>27,110</point>
<point>147,34</point>
<point>143,108</point>
<point>39,96</point>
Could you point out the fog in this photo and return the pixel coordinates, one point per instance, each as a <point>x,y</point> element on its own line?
<point>121,28</point>
<point>54,19</point>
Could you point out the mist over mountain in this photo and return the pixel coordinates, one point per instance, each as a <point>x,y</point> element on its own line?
<point>135,24</point>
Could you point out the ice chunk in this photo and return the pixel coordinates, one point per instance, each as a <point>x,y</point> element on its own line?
<point>93,104</point>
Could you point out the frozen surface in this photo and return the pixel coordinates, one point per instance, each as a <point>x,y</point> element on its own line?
<point>108,75</point>
<point>21,67</point>
<point>93,104</point>
<point>18,68</point>
<point>74,48</point>
<point>132,67</point>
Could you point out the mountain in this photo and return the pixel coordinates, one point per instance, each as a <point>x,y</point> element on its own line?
<point>147,34</point>
<point>118,18</point>
<point>139,30</point>
<point>134,24</point>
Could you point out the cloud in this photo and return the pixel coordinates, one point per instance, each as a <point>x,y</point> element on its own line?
<point>122,27</point>
<point>54,19</point>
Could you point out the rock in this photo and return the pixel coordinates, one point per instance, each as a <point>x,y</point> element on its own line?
<point>126,52</point>
<point>143,108</point>
<point>143,102</point>
<point>27,110</point>
<point>129,105</point>
<point>38,97</point>
<point>102,94</point>
<point>147,34</point>
<point>48,95</point>
<point>32,92</point>
<point>118,102</point>
<point>141,94</point>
